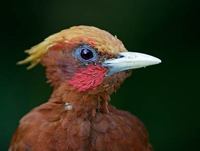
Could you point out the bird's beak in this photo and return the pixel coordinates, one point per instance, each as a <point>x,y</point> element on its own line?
<point>129,60</point>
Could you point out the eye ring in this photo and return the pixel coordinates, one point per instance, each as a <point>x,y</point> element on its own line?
<point>86,54</point>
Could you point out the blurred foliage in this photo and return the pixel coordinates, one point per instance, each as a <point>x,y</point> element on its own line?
<point>165,97</point>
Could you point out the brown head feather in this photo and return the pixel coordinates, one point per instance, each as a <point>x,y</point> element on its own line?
<point>103,41</point>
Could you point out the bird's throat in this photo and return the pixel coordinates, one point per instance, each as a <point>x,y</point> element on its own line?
<point>80,103</point>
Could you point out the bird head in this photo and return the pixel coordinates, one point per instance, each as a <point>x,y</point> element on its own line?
<point>86,59</point>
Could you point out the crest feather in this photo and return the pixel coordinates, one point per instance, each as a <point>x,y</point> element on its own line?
<point>35,54</point>
<point>104,42</point>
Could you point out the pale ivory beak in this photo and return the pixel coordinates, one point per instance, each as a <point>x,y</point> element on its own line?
<point>129,60</point>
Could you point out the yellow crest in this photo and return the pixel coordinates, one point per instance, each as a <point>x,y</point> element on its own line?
<point>104,42</point>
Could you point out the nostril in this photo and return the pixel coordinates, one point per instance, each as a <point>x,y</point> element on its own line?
<point>120,56</point>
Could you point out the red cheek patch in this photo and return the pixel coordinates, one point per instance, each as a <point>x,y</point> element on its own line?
<point>88,78</point>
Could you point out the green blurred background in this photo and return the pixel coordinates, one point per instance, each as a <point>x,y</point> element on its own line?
<point>165,97</point>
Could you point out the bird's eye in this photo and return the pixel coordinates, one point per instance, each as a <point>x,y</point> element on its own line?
<point>86,53</point>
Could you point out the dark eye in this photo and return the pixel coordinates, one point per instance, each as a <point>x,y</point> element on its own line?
<point>86,53</point>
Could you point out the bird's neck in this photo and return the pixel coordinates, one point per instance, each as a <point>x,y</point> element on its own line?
<point>79,101</point>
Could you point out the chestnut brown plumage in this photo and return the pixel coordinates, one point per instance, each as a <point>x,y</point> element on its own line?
<point>85,65</point>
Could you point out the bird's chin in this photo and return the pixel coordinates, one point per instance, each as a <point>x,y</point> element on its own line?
<point>113,82</point>
<point>122,75</point>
